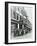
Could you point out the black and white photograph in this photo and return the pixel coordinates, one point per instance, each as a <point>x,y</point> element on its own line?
<point>21,22</point>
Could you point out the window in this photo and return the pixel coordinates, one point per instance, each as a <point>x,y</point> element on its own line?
<point>20,26</point>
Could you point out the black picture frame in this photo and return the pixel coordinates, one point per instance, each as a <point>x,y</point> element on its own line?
<point>6,22</point>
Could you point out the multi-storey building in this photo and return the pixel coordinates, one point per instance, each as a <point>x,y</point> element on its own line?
<point>19,22</point>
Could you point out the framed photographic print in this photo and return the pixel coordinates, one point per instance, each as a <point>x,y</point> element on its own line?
<point>20,22</point>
